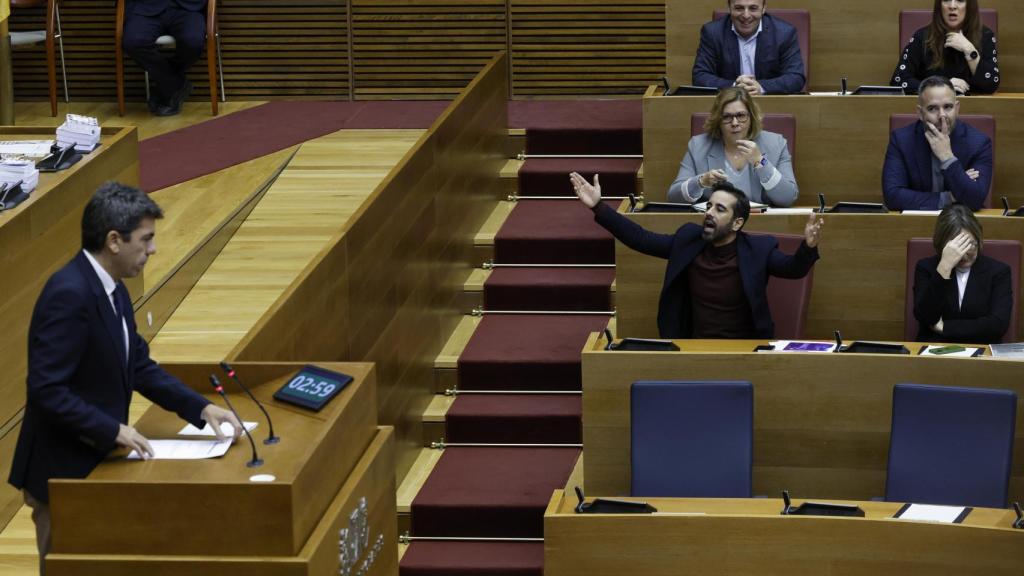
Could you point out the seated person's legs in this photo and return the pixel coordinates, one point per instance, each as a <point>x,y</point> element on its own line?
<point>189,31</point>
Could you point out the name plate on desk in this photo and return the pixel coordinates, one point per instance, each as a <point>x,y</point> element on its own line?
<point>312,387</point>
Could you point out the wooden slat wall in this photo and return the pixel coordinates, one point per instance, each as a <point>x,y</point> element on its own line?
<point>386,289</point>
<point>586,46</point>
<point>423,49</point>
<point>271,48</point>
<point>414,49</point>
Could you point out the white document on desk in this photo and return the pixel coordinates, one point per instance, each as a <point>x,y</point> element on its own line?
<point>26,147</point>
<point>931,513</point>
<point>185,449</point>
<point>207,430</point>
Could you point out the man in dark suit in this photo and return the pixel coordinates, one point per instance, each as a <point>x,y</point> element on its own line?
<point>716,279</point>
<point>147,20</point>
<point>749,49</point>
<point>937,161</point>
<point>85,357</point>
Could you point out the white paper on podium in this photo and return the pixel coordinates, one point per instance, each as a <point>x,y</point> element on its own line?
<point>206,430</point>
<point>966,353</point>
<point>26,147</point>
<point>931,513</point>
<point>185,449</point>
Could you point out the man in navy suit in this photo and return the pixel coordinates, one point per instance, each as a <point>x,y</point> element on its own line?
<point>749,49</point>
<point>716,279</point>
<point>85,357</point>
<point>147,20</point>
<point>937,161</point>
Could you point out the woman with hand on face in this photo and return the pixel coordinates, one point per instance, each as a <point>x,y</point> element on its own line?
<point>734,149</point>
<point>961,295</point>
<point>955,45</point>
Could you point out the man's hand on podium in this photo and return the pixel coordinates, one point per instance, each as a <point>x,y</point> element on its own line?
<point>130,438</point>
<point>215,416</point>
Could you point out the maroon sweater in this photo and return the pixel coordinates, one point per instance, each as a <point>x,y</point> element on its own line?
<point>717,304</point>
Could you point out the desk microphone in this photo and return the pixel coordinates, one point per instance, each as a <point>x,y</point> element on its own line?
<point>220,390</point>
<point>1019,522</point>
<point>271,438</point>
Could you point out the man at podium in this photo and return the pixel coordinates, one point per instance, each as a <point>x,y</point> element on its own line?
<point>85,357</point>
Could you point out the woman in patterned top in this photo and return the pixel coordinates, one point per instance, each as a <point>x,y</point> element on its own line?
<point>955,45</point>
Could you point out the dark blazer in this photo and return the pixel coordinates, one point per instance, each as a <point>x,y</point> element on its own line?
<point>79,384</point>
<point>155,7</point>
<point>907,172</point>
<point>987,306</point>
<point>777,66</point>
<point>916,64</point>
<point>759,258</point>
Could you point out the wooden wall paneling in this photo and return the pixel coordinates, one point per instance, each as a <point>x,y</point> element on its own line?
<point>841,141</point>
<point>859,40</point>
<point>586,47</point>
<point>382,290</point>
<point>281,48</point>
<point>270,48</point>
<point>423,49</point>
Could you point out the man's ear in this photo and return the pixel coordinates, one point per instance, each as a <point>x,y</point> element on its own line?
<point>737,224</point>
<point>112,241</point>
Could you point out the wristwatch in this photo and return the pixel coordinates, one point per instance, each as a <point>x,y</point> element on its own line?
<point>973,56</point>
<point>763,162</point>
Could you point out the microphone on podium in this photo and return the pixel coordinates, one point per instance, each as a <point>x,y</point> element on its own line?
<point>220,390</point>
<point>271,438</point>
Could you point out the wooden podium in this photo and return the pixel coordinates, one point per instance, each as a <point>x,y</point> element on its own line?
<point>329,510</point>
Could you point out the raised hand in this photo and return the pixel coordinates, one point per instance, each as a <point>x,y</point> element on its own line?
<point>812,230</point>
<point>953,252</point>
<point>959,42</point>
<point>589,194</point>
<point>938,139</point>
<point>750,151</point>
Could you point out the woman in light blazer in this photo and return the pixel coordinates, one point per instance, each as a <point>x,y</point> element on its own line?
<point>733,148</point>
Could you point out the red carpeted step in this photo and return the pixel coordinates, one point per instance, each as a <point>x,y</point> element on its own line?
<point>550,176</point>
<point>549,289</point>
<point>580,126</point>
<point>473,558</point>
<point>552,232</point>
<point>527,352</point>
<point>512,419</point>
<point>491,492</point>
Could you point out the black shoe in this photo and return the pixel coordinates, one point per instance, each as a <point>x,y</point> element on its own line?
<point>179,97</point>
<point>167,110</point>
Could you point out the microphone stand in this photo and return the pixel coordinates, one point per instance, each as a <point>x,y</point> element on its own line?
<point>271,438</point>
<point>220,390</point>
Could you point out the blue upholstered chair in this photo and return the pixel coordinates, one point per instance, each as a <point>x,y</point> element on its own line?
<point>951,445</point>
<point>692,439</point>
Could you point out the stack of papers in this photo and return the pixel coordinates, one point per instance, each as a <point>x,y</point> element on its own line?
<point>14,172</point>
<point>38,148</point>
<point>82,131</point>
<point>1014,350</point>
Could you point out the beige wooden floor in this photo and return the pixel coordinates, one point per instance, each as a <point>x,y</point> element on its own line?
<point>323,185</point>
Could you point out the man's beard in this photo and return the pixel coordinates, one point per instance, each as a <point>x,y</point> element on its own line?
<point>714,234</point>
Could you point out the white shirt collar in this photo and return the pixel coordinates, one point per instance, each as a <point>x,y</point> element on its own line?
<point>105,279</point>
<point>760,24</point>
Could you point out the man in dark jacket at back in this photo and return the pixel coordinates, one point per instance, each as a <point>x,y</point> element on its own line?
<point>749,49</point>
<point>716,279</point>
<point>147,20</point>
